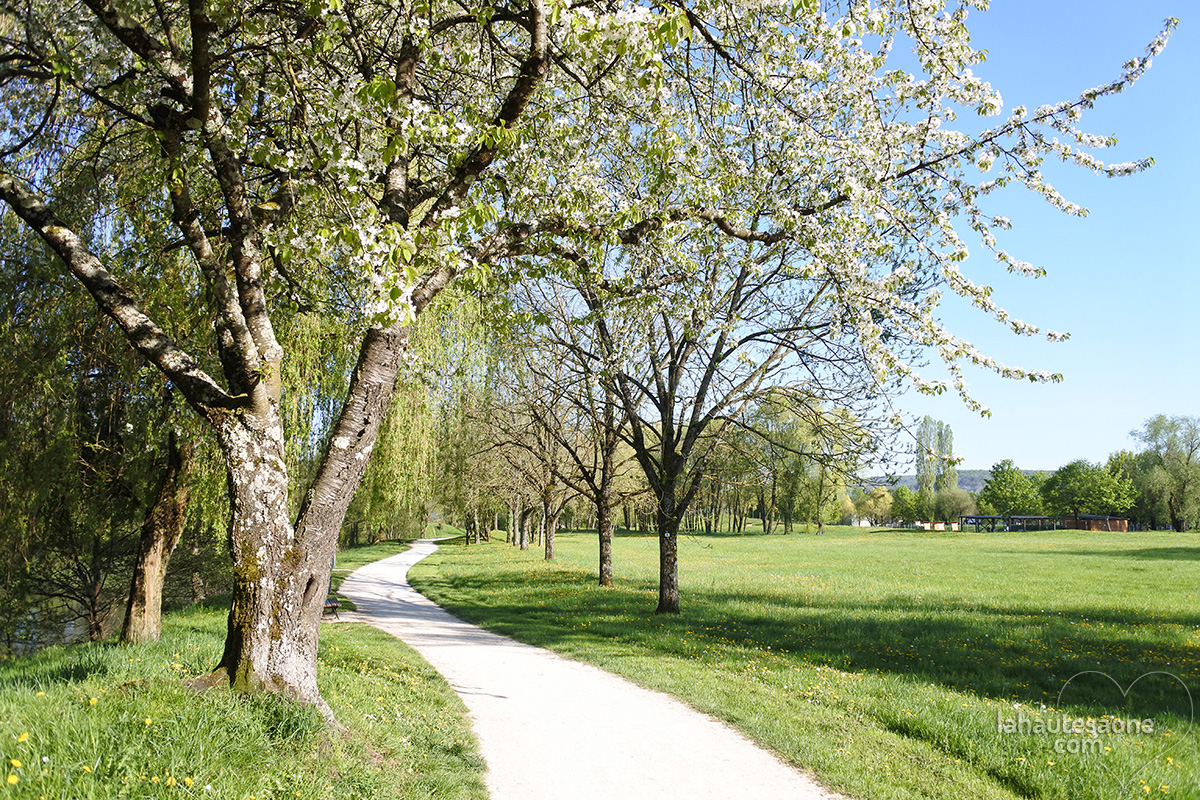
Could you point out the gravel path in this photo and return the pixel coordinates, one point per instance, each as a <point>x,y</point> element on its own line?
<point>555,729</point>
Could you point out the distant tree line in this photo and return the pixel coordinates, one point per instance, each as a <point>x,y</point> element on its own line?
<point>1156,487</point>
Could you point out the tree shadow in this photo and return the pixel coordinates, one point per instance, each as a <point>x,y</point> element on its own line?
<point>1142,554</point>
<point>1010,653</point>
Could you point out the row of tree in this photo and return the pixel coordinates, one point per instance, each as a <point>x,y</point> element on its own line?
<point>1156,487</point>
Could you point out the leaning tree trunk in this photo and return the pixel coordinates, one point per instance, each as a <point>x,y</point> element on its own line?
<point>160,533</point>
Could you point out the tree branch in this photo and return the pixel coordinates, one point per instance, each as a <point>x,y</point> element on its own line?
<point>143,333</point>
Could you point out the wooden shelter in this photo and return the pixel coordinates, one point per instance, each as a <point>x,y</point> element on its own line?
<point>1095,522</point>
<point>990,523</point>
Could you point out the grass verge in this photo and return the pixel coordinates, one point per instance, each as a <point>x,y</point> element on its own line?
<point>110,721</point>
<point>889,663</point>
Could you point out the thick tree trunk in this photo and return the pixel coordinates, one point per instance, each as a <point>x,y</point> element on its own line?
<point>160,533</point>
<point>279,584</point>
<point>281,573</point>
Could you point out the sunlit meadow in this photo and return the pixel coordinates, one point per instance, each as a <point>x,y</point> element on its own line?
<point>891,664</point>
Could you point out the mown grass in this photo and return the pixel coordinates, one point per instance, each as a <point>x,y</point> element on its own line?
<point>111,721</point>
<point>883,661</point>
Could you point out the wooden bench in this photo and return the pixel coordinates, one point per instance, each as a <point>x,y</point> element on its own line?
<point>331,607</point>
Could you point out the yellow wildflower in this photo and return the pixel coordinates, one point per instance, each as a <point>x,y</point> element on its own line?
<point>146,720</point>
<point>41,694</point>
<point>13,780</point>
<point>93,701</point>
<point>170,781</point>
<point>87,769</point>
<point>15,762</point>
<point>22,737</point>
<point>188,781</point>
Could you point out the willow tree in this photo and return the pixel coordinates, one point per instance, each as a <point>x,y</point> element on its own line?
<point>358,155</point>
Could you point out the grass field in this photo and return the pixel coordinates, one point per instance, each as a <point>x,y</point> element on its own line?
<point>888,662</point>
<point>110,721</point>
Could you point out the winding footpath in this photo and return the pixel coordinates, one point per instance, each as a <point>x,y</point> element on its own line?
<point>555,729</point>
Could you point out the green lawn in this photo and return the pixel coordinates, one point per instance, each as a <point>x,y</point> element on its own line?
<point>883,661</point>
<point>110,721</point>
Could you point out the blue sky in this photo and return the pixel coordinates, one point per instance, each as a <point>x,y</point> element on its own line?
<point>1124,281</point>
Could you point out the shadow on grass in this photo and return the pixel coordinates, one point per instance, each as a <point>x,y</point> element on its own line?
<point>1001,652</point>
<point>1144,554</point>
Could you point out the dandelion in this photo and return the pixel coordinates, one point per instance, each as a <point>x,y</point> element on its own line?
<point>188,782</point>
<point>87,769</point>
<point>13,780</point>
<point>146,720</point>
<point>22,737</point>
<point>170,781</point>
<point>15,762</point>
<point>93,701</point>
<point>41,694</point>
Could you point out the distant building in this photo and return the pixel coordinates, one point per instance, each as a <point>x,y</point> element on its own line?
<point>1095,522</point>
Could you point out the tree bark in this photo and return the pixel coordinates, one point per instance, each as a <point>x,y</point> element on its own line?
<point>526,523</point>
<point>160,533</point>
<point>605,523</point>
<point>668,553</point>
<point>514,522</point>
<point>551,529</point>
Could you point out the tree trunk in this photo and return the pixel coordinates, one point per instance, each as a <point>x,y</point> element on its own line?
<point>514,521</point>
<point>551,529</point>
<point>524,527</point>
<point>668,558</point>
<point>605,522</point>
<point>279,582</point>
<point>281,573</point>
<point>160,533</point>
